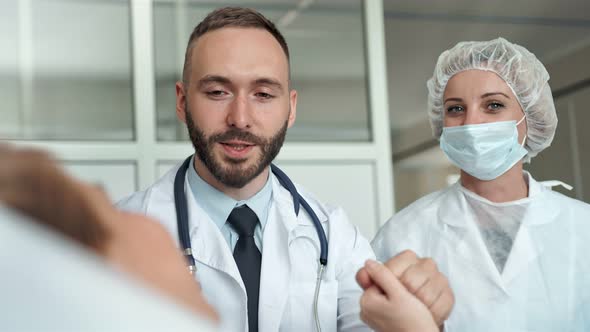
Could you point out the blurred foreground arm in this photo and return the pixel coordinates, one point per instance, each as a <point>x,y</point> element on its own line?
<point>32,183</point>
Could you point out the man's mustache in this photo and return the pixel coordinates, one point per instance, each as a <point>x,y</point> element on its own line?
<point>237,134</point>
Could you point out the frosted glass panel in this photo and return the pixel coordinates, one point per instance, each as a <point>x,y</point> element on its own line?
<point>65,70</point>
<point>331,81</point>
<point>117,179</point>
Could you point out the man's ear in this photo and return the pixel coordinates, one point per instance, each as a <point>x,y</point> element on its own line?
<point>293,108</point>
<point>180,101</point>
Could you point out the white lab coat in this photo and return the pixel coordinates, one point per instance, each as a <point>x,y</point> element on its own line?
<point>289,261</point>
<point>545,284</point>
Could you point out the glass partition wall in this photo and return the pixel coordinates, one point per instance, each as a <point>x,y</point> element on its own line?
<point>93,82</point>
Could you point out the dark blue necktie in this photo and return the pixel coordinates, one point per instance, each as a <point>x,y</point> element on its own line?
<point>248,258</point>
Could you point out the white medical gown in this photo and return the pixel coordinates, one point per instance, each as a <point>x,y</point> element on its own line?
<point>545,281</point>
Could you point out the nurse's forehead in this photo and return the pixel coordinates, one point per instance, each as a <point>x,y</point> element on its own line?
<point>476,81</point>
<point>240,51</point>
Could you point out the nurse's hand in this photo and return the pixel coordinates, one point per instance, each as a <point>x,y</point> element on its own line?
<point>387,306</point>
<point>420,276</point>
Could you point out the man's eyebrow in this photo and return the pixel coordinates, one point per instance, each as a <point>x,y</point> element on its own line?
<point>213,79</point>
<point>493,94</point>
<point>268,81</point>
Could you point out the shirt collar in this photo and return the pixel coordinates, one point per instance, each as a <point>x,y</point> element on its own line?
<point>218,205</point>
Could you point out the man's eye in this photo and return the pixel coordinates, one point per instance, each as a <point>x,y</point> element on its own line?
<point>264,95</point>
<point>216,93</point>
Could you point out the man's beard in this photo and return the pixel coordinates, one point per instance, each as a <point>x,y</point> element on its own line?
<point>233,175</point>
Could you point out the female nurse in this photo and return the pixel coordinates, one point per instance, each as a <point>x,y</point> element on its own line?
<point>514,251</point>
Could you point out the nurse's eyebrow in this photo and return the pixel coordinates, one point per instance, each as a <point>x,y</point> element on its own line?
<point>453,99</point>
<point>493,94</point>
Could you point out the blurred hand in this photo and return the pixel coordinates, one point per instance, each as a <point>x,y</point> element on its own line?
<point>142,247</point>
<point>421,278</point>
<point>386,305</point>
<point>33,183</point>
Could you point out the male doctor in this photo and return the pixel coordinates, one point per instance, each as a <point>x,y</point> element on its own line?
<point>256,260</point>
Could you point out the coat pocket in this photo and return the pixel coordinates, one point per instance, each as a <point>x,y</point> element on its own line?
<point>299,313</point>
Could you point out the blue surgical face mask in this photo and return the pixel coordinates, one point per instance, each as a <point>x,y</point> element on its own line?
<point>485,150</point>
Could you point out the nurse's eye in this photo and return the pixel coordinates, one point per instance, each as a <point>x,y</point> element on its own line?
<point>455,109</point>
<point>495,106</point>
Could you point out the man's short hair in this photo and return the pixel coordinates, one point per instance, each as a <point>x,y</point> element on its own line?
<point>231,17</point>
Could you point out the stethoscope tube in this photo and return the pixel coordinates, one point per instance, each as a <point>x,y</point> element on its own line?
<point>180,204</point>
<point>297,199</point>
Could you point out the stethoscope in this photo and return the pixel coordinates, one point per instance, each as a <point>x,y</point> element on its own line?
<point>181,205</point>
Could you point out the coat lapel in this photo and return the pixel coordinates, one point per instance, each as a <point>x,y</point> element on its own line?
<point>208,245</point>
<point>276,267</point>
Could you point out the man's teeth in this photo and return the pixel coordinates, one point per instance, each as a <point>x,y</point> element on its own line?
<point>237,147</point>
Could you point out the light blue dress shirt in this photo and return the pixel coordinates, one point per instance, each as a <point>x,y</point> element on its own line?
<point>218,206</point>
